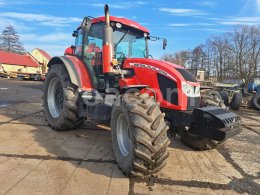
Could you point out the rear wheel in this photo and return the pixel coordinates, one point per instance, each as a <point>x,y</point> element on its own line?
<point>139,135</point>
<point>60,100</point>
<point>224,96</point>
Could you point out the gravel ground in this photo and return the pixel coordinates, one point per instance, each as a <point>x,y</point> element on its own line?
<point>36,159</point>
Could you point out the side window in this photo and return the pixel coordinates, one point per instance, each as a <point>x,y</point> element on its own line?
<point>95,39</point>
<point>93,47</point>
<point>79,43</point>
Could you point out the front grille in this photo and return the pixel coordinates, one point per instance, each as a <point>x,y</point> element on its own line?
<point>193,102</point>
<point>186,75</point>
<point>168,88</point>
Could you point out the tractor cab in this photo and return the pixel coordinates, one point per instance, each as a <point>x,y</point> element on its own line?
<point>253,84</point>
<point>104,43</point>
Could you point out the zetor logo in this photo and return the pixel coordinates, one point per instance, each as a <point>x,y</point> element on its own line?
<point>152,68</point>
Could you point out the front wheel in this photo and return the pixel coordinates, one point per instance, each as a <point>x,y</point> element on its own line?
<point>139,135</point>
<point>198,142</point>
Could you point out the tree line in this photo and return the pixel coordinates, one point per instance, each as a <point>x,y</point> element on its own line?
<point>233,55</point>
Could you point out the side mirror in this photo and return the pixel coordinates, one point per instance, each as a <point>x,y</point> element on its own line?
<point>75,34</point>
<point>164,44</point>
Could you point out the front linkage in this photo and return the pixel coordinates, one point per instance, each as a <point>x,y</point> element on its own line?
<point>204,128</point>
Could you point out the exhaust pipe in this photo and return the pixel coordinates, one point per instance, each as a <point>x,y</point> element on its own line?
<point>108,51</point>
<point>107,19</point>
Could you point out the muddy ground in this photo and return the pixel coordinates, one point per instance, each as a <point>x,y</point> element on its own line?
<point>35,159</point>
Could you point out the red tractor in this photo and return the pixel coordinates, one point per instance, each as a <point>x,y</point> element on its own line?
<point>109,76</point>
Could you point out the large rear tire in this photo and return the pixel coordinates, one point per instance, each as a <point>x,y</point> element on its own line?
<point>60,100</point>
<point>139,135</point>
<point>224,96</point>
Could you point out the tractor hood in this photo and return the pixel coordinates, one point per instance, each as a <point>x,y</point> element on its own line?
<point>170,70</point>
<point>174,86</point>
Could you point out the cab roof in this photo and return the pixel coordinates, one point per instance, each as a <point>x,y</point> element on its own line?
<point>123,21</point>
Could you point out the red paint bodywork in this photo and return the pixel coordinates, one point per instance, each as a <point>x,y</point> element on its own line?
<point>84,76</point>
<point>123,21</point>
<point>107,58</point>
<point>69,51</point>
<point>148,76</point>
<point>143,75</point>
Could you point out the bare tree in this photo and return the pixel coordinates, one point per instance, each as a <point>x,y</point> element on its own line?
<point>243,47</point>
<point>10,41</point>
<point>254,55</point>
<point>234,55</point>
<point>198,57</point>
<point>179,58</point>
<point>219,45</point>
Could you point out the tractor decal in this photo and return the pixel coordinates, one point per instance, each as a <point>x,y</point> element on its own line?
<point>153,68</point>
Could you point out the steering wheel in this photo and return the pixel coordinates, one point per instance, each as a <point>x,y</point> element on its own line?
<point>144,53</point>
<point>121,57</point>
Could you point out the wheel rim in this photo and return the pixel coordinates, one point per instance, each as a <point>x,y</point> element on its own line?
<point>55,97</point>
<point>123,137</point>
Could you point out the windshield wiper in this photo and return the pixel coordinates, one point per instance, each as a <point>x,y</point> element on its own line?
<point>121,38</point>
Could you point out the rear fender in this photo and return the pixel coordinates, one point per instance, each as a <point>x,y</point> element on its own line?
<point>78,72</point>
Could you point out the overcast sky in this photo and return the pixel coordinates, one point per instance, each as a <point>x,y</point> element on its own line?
<point>48,24</point>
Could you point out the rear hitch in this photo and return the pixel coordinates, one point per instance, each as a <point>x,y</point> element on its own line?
<point>215,123</point>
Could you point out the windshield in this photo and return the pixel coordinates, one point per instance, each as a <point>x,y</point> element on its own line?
<point>128,44</point>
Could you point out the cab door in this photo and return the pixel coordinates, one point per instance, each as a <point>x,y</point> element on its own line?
<point>81,43</point>
<point>92,54</point>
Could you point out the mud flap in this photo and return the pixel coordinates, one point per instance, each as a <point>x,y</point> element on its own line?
<point>215,123</point>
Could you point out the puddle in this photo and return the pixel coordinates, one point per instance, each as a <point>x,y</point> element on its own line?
<point>4,104</point>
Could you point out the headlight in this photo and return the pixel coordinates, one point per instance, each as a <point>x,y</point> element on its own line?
<point>191,91</point>
<point>113,24</point>
<point>197,91</point>
<point>118,25</point>
<point>187,89</point>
